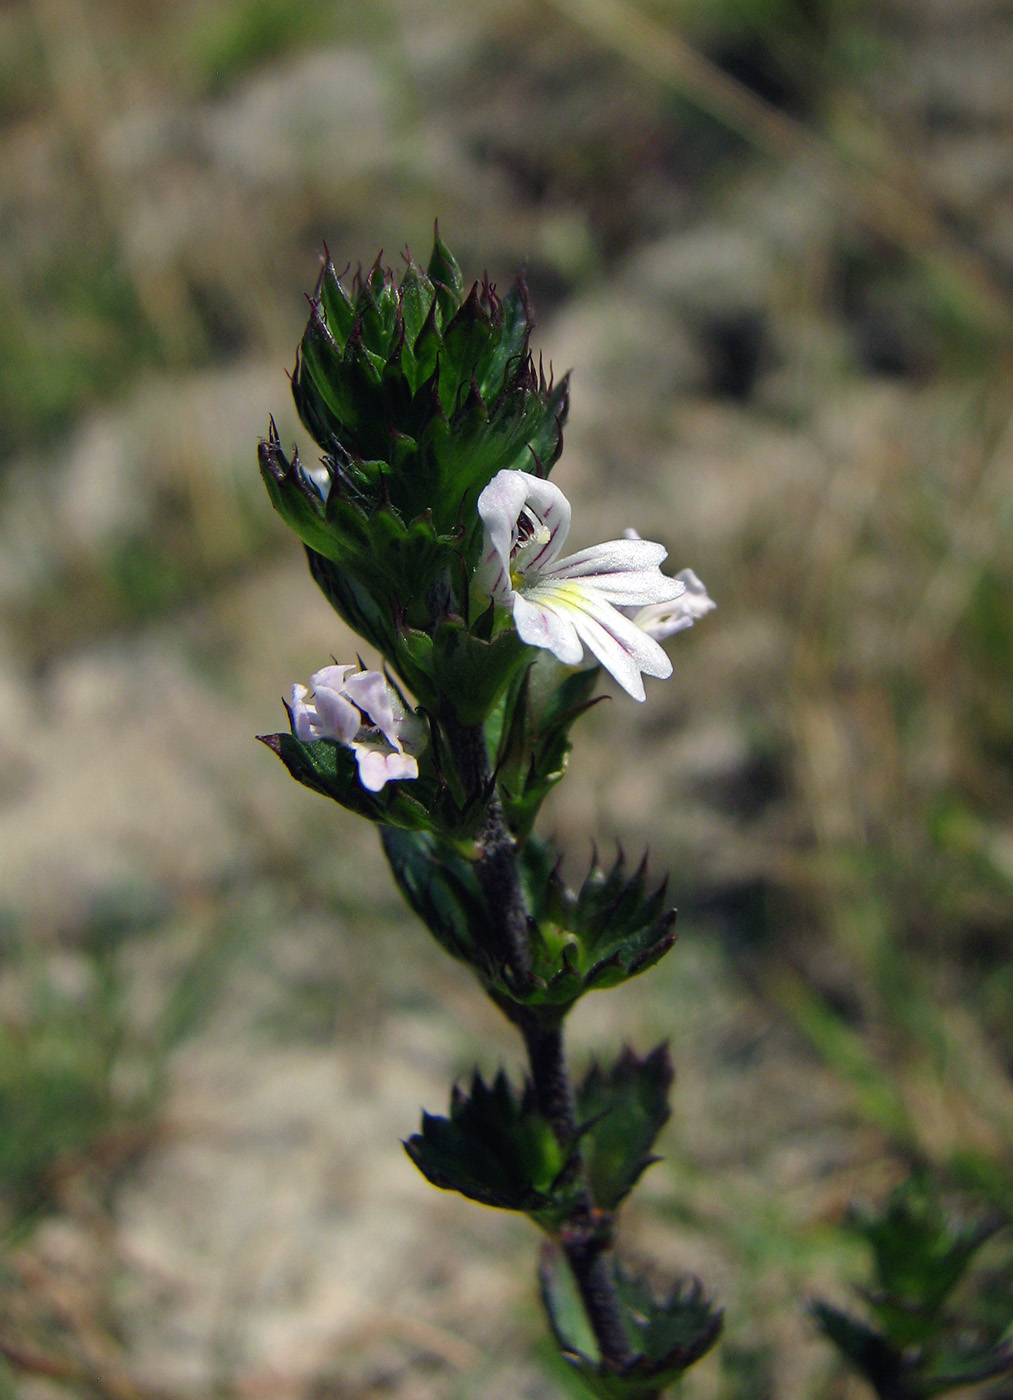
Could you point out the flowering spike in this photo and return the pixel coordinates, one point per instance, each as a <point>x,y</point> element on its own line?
<point>431,526</point>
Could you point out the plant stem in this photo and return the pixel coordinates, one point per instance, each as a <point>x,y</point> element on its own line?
<point>496,866</point>
<point>582,1238</point>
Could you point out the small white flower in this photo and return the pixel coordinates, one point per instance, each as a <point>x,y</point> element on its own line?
<point>364,712</point>
<point>567,604</point>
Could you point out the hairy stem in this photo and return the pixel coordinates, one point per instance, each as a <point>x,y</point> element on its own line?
<point>498,876</point>
<point>582,1238</point>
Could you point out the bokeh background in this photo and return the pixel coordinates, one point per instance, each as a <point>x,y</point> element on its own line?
<point>774,241</point>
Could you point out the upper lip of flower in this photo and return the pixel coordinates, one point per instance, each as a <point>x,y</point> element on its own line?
<point>567,604</point>
<point>662,620</point>
<point>364,713</point>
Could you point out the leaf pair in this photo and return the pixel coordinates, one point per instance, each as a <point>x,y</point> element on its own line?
<point>668,1329</point>
<point>614,927</point>
<point>497,1148</point>
<point>611,929</point>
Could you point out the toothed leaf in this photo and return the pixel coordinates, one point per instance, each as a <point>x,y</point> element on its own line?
<point>625,1106</point>
<point>533,748</point>
<point>933,1324</point>
<point>442,890</point>
<point>496,1148</point>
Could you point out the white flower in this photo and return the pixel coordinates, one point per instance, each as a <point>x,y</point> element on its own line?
<point>364,712</point>
<point>567,604</point>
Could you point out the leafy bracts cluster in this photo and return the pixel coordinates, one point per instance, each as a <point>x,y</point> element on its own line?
<point>612,928</point>
<point>497,1148</point>
<point>431,527</point>
<point>418,396</point>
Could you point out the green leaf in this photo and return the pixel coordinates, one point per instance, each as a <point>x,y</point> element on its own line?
<point>466,339</point>
<point>671,1328</point>
<point>471,672</point>
<point>963,1363</point>
<point>417,297</point>
<point>625,1107</point>
<point>441,888</point>
<point>534,736</point>
<point>334,372</point>
<point>295,499</point>
<point>444,272</point>
<point>338,311</point>
<point>355,605</point>
<point>668,1330</point>
<point>510,350</point>
<point>862,1346</point>
<point>330,769</point>
<point>920,1250</point>
<point>561,1299</point>
<point>496,1148</point>
<point>426,353</point>
<point>935,1325</point>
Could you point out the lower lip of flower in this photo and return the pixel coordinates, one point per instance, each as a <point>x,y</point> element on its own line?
<point>570,595</point>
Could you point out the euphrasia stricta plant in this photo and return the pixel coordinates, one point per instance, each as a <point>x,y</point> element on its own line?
<point>432,527</point>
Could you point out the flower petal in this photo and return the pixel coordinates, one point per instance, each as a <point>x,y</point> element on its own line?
<point>330,677</point>
<point>613,556</point>
<point>500,507</point>
<point>696,591</point>
<point>374,697</point>
<point>623,571</point>
<point>552,508</point>
<point>540,623</point>
<point>303,716</point>
<point>336,717</point>
<point>401,765</point>
<point>378,767</point>
<point>617,642</point>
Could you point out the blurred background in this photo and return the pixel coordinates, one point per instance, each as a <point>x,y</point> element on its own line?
<point>774,241</point>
